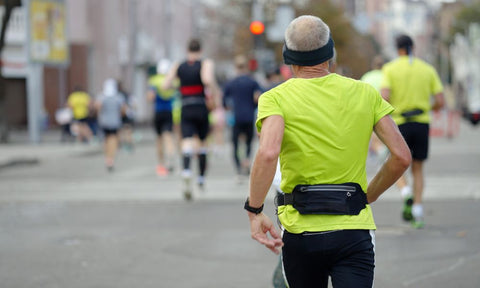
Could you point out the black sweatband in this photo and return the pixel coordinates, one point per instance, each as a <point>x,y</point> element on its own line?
<point>308,58</point>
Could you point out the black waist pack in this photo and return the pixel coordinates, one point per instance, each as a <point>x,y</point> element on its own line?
<point>330,199</point>
<point>411,113</point>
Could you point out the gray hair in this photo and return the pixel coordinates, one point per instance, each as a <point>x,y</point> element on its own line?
<point>306,33</point>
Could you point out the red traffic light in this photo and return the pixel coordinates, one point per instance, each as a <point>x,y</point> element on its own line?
<point>257,27</point>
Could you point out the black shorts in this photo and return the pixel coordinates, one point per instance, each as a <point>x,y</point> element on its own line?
<point>163,122</point>
<point>82,120</point>
<point>108,131</point>
<point>347,256</point>
<point>127,120</point>
<point>194,121</point>
<point>416,136</point>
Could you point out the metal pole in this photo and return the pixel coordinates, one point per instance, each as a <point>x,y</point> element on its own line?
<point>167,28</point>
<point>34,87</point>
<point>133,41</point>
<point>34,101</point>
<point>62,86</point>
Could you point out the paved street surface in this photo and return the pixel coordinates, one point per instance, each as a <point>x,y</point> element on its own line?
<point>66,222</point>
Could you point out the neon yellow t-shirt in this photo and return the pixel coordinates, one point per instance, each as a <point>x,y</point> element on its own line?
<point>157,82</point>
<point>328,123</point>
<point>411,85</point>
<point>79,102</point>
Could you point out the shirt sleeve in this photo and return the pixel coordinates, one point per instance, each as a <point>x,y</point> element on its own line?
<point>382,108</point>
<point>267,106</point>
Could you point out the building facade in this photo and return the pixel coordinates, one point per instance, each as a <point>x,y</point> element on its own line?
<point>117,39</point>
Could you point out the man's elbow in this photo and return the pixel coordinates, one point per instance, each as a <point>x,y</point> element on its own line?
<point>268,155</point>
<point>403,159</point>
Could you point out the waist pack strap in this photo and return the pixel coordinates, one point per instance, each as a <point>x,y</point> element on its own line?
<point>287,199</point>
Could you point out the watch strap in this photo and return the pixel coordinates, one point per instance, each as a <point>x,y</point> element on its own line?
<point>252,209</point>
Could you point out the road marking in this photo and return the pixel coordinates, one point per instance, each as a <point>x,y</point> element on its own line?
<point>457,264</point>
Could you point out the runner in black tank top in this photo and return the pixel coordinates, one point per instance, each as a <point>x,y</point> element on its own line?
<point>194,109</point>
<point>195,75</point>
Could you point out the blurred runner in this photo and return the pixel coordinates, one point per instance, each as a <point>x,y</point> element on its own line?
<point>242,92</point>
<point>79,101</point>
<point>274,78</point>
<point>408,84</point>
<point>374,78</point>
<point>163,119</point>
<point>128,118</point>
<point>198,88</point>
<point>110,106</point>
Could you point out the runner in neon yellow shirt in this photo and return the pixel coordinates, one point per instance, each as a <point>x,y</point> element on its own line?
<point>79,101</point>
<point>164,120</point>
<point>327,102</point>
<point>411,84</point>
<point>319,124</point>
<point>408,84</point>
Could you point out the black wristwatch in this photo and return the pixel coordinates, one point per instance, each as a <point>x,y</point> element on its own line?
<point>252,209</point>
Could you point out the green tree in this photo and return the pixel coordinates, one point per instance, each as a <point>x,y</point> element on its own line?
<point>354,50</point>
<point>466,15</point>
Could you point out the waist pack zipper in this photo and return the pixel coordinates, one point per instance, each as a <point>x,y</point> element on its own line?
<point>328,188</point>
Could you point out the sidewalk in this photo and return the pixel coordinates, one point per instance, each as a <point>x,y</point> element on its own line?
<point>20,150</point>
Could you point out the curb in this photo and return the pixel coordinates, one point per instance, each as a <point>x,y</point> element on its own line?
<point>19,162</point>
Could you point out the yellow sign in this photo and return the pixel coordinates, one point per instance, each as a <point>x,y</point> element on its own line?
<point>48,39</point>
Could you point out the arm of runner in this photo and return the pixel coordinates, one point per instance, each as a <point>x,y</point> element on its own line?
<point>256,95</point>
<point>97,105</point>
<point>395,165</point>
<point>385,92</point>
<point>263,171</point>
<point>439,101</point>
<point>172,74</point>
<point>207,73</point>
<point>151,95</point>
<point>124,108</point>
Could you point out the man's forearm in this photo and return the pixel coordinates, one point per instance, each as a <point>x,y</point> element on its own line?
<point>261,179</point>
<point>439,102</point>
<point>391,170</point>
<point>216,94</point>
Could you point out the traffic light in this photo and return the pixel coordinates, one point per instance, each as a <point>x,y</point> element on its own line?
<point>257,27</point>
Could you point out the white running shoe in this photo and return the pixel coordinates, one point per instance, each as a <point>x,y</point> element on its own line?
<point>187,185</point>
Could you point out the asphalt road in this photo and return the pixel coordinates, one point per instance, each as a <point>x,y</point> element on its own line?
<point>66,222</point>
<point>207,244</point>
